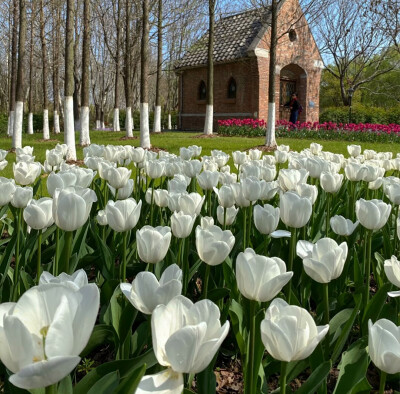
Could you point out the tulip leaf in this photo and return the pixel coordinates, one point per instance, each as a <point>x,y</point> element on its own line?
<point>131,382</point>
<point>107,384</point>
<point>353,368</point>
<point>237,321</point>
<point>337,322</point>
<point>6,259</point>
<point>141,338</point>
<point>125,368</point>
<point>346,329</point>
<point>315,380</point>
<point>380,273</point>
<point>375,305</point>
<point>101,335</point>
<point>79,242</point>
<point>206,381</point>
<point>187,391</point>
<point>216,294</point>
<point>194,268</point>
<point>65,386</point>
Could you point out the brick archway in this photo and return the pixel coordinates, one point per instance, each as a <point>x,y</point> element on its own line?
<point>292,79</point>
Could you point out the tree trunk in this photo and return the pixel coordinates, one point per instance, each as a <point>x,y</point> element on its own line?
<point>127,72</point>
<point>85,135</point>
<point>20,94</point>
<point>117,65</point>
<point>30,98</point>
<point>56,68</point>
<point>270,136</point>
<point>46,131</point>
<point>208,125</point>
<point>13,84</point>
<point>144,84</point>
<point>69,130</point>
<point>157,111</point>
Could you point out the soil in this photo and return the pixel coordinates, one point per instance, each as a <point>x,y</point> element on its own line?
<point>263,148</point>
<point>76,162</point>
<point>205,136</point>
<point>128,138</point>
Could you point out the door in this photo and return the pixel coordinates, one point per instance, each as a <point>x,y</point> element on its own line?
<point>287,88</point>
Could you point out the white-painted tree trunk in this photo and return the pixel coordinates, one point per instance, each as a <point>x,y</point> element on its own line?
<point>169,122</point>
<point>208,124</point>
<point>11,117</point>
<point>103,126</point>
<point>116,120</point>
<point>128,122</point>
<point>30,123</point>
<point>270,137</point>
<point>98,124</point>
<point>157,119</point>
<point>144,125</point>
<point>69,131</point>
<point>84,137</point>
<point>18,119</point>
<point>77,125</point>
<point>56,122</point>
<point>46,128</point>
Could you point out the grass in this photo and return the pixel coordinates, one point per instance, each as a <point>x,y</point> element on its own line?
<point>172,141</point>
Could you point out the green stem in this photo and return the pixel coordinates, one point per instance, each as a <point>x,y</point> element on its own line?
<point>180,253</point>
<point>55,267</point>
<point>250,224</point>
<point>368,241</point>
<point>209,193</point>
<point>17,259</point>
<point>152,202</point>
<point>51,389</point>
<point>224,218</point>
<point>124,242</point>
<point>205,283</point>
<point>382,383</point>
<point>244,228</point>
<point>116,194</point>
<point>396,214</point>
<point>185,264</point>
<point>39,257</point>
<point>68,249</point>
<point>282,379</point>
<point>292,251</point>
<point>250,383</point>
<point>326,302</point>
<point>328,202</point>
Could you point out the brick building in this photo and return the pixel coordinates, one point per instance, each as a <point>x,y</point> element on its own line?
<point>241,67</point>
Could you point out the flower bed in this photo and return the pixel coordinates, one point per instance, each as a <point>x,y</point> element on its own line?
<point>366,132</point>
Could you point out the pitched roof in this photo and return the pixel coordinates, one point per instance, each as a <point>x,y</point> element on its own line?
<point>233,37</point>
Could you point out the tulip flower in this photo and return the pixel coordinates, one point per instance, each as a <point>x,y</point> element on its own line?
<point>75,281</point>
<point>71,207</point>
<point>38,213</point>
<point>289,332</point>
<point>117,177</point>
<point>307,191</point>
<point>239,199</point>
<point>61,180</point>
<point>225,196</point>
<point>372,214</point>
<point>295,210</point>
<point>213,244</point>
<point>53,324</point>
<point>392,271</point>
<point>343,226</point>
<point>153,243</point>
<point>207,180</point>
<point>355,172</point>
<point>226,216</point>
<point>154,168</point>
<point>21,196</point>
<point>3,154</point>
<point>190,204</point>
<point>146,292</point>
<point>178,184</point>
<point>251,188</point>
<point>239,157</point>
<point>384,347</point>
<point>281,156</point>
<point>192,168</point>
<point>266,218</point>
<point>354,150</point>
<point>124,192</point>
<point>260,278</point>
<point>123,215</point>
<point>331,183</point>
<point>26,173</point>
<point>3,164</point>
<point>315,148</point>
<point>255,154</point>
<point>182,224</point>
<point>7,187</point>
<point>289,179</point>
<point>185,153</point>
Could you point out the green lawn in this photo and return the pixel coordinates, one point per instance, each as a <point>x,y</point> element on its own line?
<point>172,141</point>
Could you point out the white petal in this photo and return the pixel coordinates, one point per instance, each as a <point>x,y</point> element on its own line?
<point>164,382</point>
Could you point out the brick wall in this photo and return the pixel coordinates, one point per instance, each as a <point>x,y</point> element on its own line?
<point>300,57</point>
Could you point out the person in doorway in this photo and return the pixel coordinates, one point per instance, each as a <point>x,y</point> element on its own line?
<point>295,108</point>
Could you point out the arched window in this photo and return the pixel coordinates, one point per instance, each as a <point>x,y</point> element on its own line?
<point>232,88</point>
<point>202,93</point>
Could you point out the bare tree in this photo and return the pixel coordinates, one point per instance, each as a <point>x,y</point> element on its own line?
<point>144,83</point>
<point>157,111</point>
<point>56,63</point>
<point>116,126</point>
<point>356,44</point>
<point>20,92</point>
<point>127,71</point>
<point>208,125</point>
<point>46,130</point>
<point>30,98</point>
<point>85,135</point>
<point>69,130</point>
<point>13,76</point>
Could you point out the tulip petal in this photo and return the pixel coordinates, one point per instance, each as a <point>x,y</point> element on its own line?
<point>164,382</point>
<point>394,293</point>
<point>44,373</point>
<point>280,234</point>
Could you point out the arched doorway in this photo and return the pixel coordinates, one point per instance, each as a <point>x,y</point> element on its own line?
<point>292,79</point>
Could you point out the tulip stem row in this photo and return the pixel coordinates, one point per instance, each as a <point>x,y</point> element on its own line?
<point>68,249</point>
<point>124,245</point>
<point>39,257</point>
<point>250,383</point>
<point>283,376</point>
<point>17,260</point>
<point>292,251</point>
<point>205,283</point>
<point>368,240</point>
<point>51,389</point>
<point>382,383</point>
